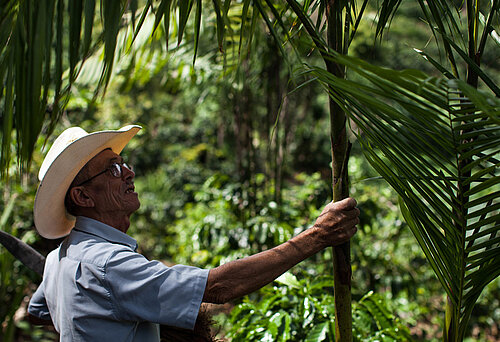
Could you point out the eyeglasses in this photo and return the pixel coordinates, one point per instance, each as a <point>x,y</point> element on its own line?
<point>116,170</point>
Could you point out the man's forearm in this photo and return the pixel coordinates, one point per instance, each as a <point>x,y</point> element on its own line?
<point>243,276</point>
<point>336,224</point>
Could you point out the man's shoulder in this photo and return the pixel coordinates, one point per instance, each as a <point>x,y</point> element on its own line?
<point>91,249</point>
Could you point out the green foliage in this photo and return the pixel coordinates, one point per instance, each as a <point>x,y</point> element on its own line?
<point>12,280</point>
<point>385,255</point>
<point>437,146</point>
<point>296,309</point>
<point>218,226</point>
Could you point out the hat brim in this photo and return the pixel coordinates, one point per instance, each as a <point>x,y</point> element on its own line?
<point>51,219</point>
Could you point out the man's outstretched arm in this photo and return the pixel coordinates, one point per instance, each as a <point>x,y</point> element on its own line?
<point>335,225</point>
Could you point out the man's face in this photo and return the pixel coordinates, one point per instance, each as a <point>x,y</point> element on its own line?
<point>112,195</point>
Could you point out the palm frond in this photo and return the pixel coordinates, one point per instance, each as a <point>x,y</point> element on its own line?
<point>437,143</point>
<point>473,66</point>
<point>39,62</point>
<point>387,11</point>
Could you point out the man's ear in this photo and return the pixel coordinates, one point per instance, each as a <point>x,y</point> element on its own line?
<point>80,197</point>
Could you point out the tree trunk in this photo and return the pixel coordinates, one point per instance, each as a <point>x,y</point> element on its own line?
<point>340,155</point>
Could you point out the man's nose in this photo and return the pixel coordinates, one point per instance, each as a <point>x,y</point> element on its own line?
<point>127,172</point>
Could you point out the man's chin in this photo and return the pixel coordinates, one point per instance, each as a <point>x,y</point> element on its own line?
<point>136,206</point>
<point>131,203</point>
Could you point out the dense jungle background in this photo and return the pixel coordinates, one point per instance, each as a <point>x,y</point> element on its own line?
<point>234,158</point>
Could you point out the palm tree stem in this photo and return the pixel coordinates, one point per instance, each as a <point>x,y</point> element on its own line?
<point>340,155</point>
<point>340,147</point>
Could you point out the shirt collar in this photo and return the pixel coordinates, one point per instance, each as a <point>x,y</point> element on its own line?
<point>102,230</point>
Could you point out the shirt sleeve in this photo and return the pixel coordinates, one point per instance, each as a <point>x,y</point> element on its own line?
<point>38,306</point>
<point>143,290</point>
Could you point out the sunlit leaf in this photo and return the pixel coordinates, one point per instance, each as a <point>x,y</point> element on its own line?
<point>318,333</point>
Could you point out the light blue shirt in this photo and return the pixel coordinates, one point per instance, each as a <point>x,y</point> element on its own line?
<point>97,288</point>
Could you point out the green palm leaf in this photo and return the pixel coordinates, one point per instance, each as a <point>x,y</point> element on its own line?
<point>437,142</point>
<point>39,62</point>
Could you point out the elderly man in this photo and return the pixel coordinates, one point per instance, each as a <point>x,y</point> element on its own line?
<point>97,288</point>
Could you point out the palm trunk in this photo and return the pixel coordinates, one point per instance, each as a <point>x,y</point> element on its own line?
<point>340,155</point>
<point>337,39</point>
<point>341,254</point>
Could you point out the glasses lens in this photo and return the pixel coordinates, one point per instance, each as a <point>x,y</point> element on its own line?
<point>116,170</point>
<point>127,166</point>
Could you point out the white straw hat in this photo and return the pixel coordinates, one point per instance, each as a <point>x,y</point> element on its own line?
<point>67,156</point>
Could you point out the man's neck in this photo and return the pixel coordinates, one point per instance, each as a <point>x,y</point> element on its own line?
<point>120,222</point>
